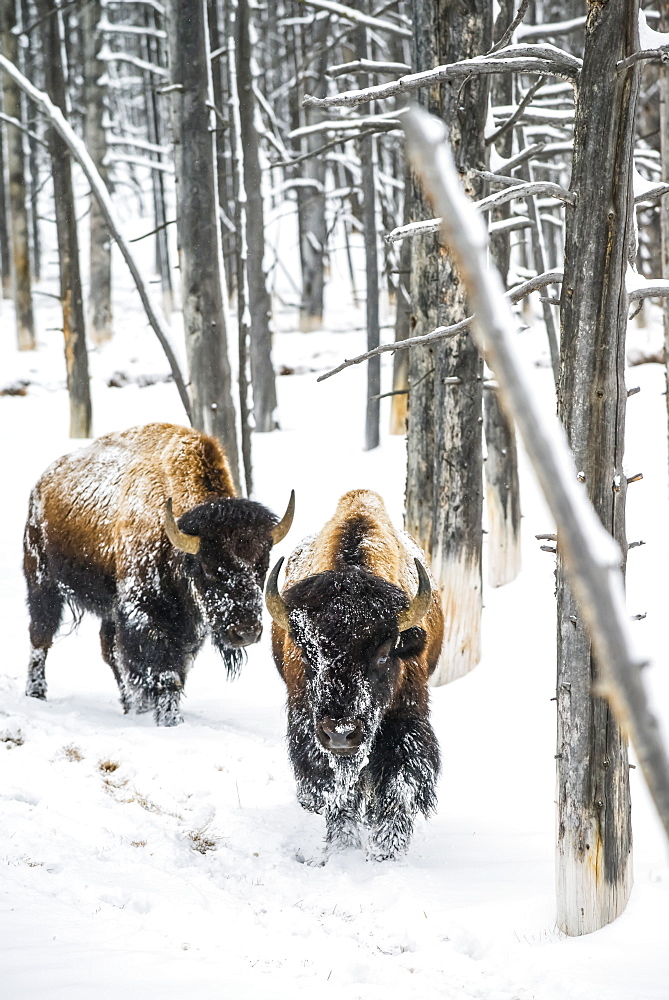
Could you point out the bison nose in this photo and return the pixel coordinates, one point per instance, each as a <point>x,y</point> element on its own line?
<point>340,735</point>
<point>244,633</point>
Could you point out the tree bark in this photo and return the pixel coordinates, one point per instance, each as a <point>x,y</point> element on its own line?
<point>399,407</point>
<point>311,201</point>
<point>200,259</point>
<point>594,860</point>
<point>454,408</point>
<point>5,252</point>
<point>664,202</point>
<point>260,340</point>
<point>367,147</point>
<point>502,492</point>
<point>99,296</point>
<point>74,327</point>
<point>18,214</point>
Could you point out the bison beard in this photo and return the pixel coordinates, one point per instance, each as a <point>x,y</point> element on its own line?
<point>101,537</point>
<point>358,667</point>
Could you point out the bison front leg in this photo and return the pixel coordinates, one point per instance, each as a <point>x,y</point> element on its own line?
<point>402,775</point>
<point>154,664</point>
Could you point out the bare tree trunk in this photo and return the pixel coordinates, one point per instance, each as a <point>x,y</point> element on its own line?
<point>502,493</point>
<point>5,252</point>
<point>456,406</point>
<point>18,215</point>
<point>241,258</point>
<point>220,71</point>
<point>311,204</point>
<point>262,371</point>
<point>74,328</point>
<point>399,405</point>
<point>594,859</point>
<point>99,296</point>
<point>200,258</point>
<point>153,50</point>
<point>664,202</point>
<point>501,464</point>
<point>368,169</point>
<point>32,120</point>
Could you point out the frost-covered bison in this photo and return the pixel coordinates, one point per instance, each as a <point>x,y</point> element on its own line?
<point>357,631</point>
<point>101,535</point>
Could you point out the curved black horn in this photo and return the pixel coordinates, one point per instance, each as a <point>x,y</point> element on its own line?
<point>421,602</point>
<point>180,540</point>
<point>281,529</point>
<point>274,600</point>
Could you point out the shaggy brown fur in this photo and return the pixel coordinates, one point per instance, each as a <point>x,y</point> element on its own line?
<point>96,538</point>
<point>360,740</point>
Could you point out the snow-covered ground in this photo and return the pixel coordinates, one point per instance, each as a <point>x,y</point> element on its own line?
<point>159,863</point>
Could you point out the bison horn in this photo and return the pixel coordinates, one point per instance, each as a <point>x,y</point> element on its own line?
<point>274,600</point>
<point>180,540</point>
<point>281,529</point>
<point>421,602</point>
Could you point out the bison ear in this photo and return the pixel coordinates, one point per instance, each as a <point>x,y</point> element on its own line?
<point>179,539</point>
<point>280,530</point>
<point>421,602</point>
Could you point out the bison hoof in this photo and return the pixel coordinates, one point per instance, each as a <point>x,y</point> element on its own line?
<point>36,691</point>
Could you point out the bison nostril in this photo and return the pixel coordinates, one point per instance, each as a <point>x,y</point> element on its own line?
<point>244,633</point>
<point>340,734</point>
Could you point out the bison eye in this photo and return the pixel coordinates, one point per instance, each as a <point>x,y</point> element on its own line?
<point>308,669</point>
<point>209,575</point>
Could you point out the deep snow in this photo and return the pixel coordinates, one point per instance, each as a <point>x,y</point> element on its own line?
<point>163,863</point>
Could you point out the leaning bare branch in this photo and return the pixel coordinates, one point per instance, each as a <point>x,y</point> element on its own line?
<point>80,154</point>
<point>508,34</point>
<point>366,66</point>
<point>349,14</point>
<point>552,62</point>
<point>518,113</point>
<point>652,192</point>
<point>514,294</point>
<point>524,190</point>
<point>380,123</point>
<point>592,558</point>
<point>662,55</point>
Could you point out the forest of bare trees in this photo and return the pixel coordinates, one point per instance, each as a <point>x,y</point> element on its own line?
<point>211,116</point>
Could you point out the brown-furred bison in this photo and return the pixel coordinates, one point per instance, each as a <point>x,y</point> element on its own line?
<point>357,630</point>
<point>101,535</point>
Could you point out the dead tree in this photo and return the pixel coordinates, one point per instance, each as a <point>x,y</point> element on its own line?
<point>200,258</point>
<point>18,214</point>
<point>591,556</point>
<point>5,253</point>
<point>99,297</point>
<point>664,203</point>
<point>367,146</point>
<point>260,339</point>
<point>444,442</point>
<point>594,860</point>
<point>311,199</point>
<point>71,294</point>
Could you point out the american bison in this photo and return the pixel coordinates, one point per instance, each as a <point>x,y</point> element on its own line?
<point>101,535</point>
<point>357,630</point>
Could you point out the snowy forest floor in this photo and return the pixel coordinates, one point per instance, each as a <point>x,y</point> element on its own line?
<point>164,863</point>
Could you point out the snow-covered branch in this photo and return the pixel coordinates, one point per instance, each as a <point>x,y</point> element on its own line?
<point>544,59</point>
<point>525,190</point>
<point>99,189</point>
<point>356,17</point>
<point>514,295</point>
<point>591,556</point>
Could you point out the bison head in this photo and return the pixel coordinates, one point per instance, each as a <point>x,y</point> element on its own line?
<point>354,631</point>
<point>227,544</point>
